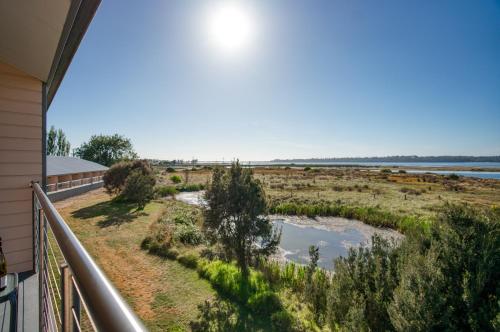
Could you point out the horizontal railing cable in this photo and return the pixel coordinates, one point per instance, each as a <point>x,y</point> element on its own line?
<point>105,308</point>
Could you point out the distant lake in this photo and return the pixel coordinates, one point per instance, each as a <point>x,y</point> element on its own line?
<point>482,175</point>
<point>383,164</point>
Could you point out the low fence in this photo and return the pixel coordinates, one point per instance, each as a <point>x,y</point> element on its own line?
<point>72,183</point>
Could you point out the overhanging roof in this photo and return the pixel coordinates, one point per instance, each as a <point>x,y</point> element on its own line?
<point>71,165</point>
<point>41,37</point>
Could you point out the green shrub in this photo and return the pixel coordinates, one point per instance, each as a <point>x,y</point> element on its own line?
<point>307,169</point>
<point>176,179</point>
<point>282,321</point>
<point>402,171</point>
<point>191,187</point>
<point>453,176</point>
<point>116,176</point>
<point>188,234</point>
<point>189,261</point>
<point>170,170</point>
<point>386,171</point>
<point>163,250</point>
<point>264,303</point>
<point>138,188</point>
<point>164,191</point>
<point>216,316</point>
<point>146,242</point>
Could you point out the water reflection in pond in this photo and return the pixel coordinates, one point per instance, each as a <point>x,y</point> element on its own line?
<point>334,236</point>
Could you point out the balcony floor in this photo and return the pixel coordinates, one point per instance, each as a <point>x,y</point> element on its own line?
<point>27,319</point>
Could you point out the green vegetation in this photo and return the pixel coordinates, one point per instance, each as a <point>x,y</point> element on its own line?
<point>138,188</point>
<point>442,276</point>
<point>164,293</point>
<point>106,150</point>
<point>131,181</point>
<point>57,143</point>
<point>370,215</point>
<point>236,216</point>
<point>191,187</point>
<point>164,191</point>
<point>176,179</point>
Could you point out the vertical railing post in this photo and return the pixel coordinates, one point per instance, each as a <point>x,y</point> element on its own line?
<point>41,269</point>
<point>76,307</point>
<point>66,298</point>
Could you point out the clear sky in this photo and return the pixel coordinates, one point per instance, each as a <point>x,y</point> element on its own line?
<point>288,78</point>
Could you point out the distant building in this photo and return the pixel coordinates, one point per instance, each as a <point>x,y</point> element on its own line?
<point>69,172</point>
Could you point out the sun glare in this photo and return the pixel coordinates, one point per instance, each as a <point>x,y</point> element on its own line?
<point>231,27</point>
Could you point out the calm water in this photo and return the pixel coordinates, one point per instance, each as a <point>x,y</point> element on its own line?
<point>385,164</point>
<point>295,242</point>
<point>334,236</point>
<point>482,175</point>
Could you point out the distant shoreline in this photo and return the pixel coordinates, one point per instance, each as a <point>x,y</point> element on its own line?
<point>396,159</point>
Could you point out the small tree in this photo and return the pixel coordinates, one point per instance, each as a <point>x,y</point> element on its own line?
<point>57,144</point>
<point>51,141</point>
<point>236,216</point>
<point>115,177</point>
<point>106,150</point>
<point>139,188</point>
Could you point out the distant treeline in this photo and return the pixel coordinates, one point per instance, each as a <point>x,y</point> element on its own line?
<point>399,159</point>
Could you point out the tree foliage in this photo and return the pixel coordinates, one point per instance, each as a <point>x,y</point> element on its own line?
<point>106,149</point>
<point>446,281</point>
<point>138,188</point>
<point>57,143</point>
<point>132,180</point>
<point>116,176</point>
<point>236,216</point>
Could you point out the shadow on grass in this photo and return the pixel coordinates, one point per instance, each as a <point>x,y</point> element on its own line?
<point>115,213</point>
<point>227,315</point>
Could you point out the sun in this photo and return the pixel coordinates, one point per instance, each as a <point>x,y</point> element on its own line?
<point>231,27</point>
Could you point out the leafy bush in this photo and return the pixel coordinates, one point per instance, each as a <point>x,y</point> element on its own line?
<point>116,176</point>
<point>146,243</point>
<point>170,253</point>
<point>386,171</point>
<point>453,176</point>
<point>190,187</point>
<point>364,281</point>
<point>170,170</point>
<point>164,191</point>
<point>283,321</point>
<point>306,169</point>
<point>402,171</point>
<point>216,316</point>
<point>189,261</point>
<point>188,234</point>
<point>176,179</point>
<point>138,188</point>
<point>264,303</point>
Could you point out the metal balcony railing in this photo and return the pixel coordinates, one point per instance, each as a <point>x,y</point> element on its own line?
<point>74,294</point>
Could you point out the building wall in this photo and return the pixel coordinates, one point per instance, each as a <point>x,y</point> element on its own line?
<point>20,163</point>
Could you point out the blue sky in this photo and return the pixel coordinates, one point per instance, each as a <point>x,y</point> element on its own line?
<point>319,79</point>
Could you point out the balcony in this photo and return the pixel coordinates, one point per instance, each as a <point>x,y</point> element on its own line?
<point>68,292</point>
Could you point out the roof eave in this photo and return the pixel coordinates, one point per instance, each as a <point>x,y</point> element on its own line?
<point>77,22</point>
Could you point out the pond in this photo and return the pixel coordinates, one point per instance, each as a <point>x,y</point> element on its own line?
<point>334,236</point>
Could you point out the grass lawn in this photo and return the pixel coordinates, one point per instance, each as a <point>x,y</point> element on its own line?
<point>162,292</point>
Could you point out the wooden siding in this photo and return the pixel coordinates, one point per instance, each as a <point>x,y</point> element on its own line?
<point>20,162</point>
